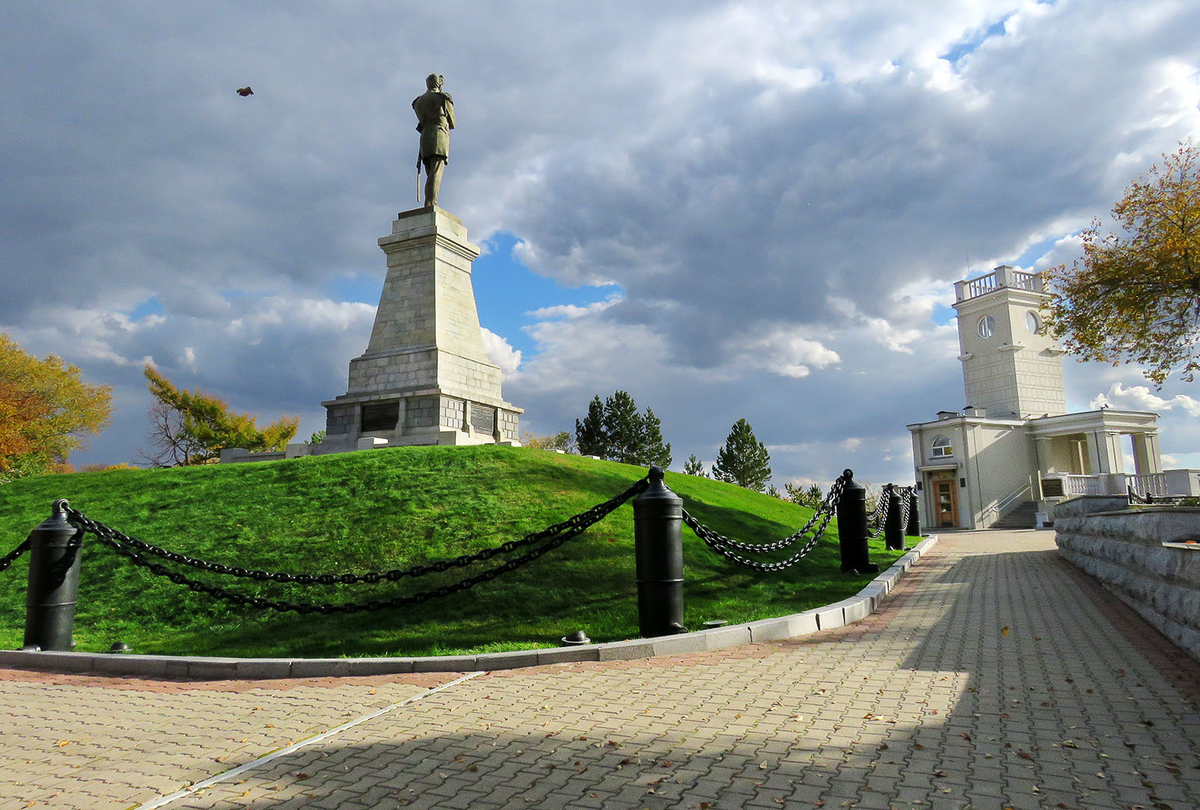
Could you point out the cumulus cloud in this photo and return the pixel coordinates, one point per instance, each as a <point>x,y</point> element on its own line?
<point>782,192</point>
<point>501,353</point>
<point>1140,398</point>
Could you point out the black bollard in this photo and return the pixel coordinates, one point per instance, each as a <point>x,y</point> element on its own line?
<point>658,548</point>
<point>53,583</point>
<point>913,529</point>
<point>893,532</point>
<point>852,527</point>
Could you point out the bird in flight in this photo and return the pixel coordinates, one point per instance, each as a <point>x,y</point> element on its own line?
<point>245,91</point>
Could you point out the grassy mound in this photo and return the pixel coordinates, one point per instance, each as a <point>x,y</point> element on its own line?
<point>392,509</point>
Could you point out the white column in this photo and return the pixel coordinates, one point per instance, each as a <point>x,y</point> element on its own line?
<point>1100,450</point>
<point>1153,456</point>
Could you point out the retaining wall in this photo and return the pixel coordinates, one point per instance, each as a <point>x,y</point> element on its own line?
<point>1143,556</point>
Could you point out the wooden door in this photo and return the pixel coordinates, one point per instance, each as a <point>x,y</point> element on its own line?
<point>945,502</point>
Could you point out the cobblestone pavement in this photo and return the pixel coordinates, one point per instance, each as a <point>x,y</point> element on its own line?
<point>996,676</point>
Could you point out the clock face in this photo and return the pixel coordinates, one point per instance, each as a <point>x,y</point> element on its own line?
<point>987,326</point>
<point>1032,323</point>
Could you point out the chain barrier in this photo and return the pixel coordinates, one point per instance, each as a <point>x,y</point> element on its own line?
<point>877,520</point>
<point>11,557</point>
<point>725,546</point>
<point>553,537</point>
<point>1151,498</point>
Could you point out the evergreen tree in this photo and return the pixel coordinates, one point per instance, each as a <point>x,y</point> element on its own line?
<point>653,451</point>
<point>590,437</point>
<point>693,466</point>
<point>623,429</point>
<point>743,460</point>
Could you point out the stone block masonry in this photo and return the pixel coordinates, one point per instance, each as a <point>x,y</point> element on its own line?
<point>1149,558</point>
<point>425,377</point>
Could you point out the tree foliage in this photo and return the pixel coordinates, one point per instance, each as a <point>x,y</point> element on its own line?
<point>193,428</point>
<point>694,466</point>
<point>615,430</point>
<point>1134,297</point>
<point>589,434</point>
<point>46,411</point>
<point>558,441</point>
<point>743,460</point>
<point>810,496</point>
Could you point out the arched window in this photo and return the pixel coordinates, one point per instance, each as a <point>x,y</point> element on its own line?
<point>942,447</point>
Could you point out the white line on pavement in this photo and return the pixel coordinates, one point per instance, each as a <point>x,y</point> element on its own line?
<point>316,738</point>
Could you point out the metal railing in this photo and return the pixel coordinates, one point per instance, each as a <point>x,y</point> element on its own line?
<point>1001,506</point>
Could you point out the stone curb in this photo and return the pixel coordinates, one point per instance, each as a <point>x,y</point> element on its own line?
<point>838,614</point>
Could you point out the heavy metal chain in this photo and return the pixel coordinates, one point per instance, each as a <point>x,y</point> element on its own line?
<point>11,557</point>
<point>371,577</point>
<point>827,507</point>
<point>723,545</point>
<point>877,519</point>
<point>573,527</point>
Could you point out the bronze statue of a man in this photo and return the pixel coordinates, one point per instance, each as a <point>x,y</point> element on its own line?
<point>435,119</point>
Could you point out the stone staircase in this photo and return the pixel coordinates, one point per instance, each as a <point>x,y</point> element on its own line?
<point>1022,517</point>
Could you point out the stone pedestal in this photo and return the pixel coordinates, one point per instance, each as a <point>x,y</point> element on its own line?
<point>425,377</point>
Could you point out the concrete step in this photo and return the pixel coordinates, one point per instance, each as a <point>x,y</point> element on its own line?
<point>1022,517</point>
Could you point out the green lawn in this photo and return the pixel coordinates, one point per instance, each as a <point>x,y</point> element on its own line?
<point>391,509</point>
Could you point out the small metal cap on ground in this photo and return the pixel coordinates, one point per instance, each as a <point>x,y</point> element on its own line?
<point>31,648</point>
<point>576,638</point>
<point>120,647</point>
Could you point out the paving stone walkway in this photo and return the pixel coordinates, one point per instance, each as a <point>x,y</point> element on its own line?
<point>995,676</point>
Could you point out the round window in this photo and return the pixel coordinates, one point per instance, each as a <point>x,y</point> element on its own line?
<point>987,326</point>
<point>1032,323</point>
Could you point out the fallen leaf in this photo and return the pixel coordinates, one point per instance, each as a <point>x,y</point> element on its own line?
<point>1024,755</point>
<point>472,768</point>
<point>965,736</point>
<point>1004,630</point>
<point>61,743</point>
<point>918,746</point>
<point>1069,744</point>
<point>301,775</point>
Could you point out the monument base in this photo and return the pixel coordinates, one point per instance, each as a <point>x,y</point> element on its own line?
<point>423,417</point>
<point>425,378</point>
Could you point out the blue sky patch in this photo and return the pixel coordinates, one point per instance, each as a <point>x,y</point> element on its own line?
<point>972,43</point>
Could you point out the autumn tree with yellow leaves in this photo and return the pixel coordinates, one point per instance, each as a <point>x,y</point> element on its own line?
<point>46,411</point>
<point>1134,296</point>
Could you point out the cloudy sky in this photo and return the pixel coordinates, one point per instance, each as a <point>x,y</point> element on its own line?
<point>729,209</point>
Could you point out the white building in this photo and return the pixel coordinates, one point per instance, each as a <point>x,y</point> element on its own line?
<point>1014,451</point>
